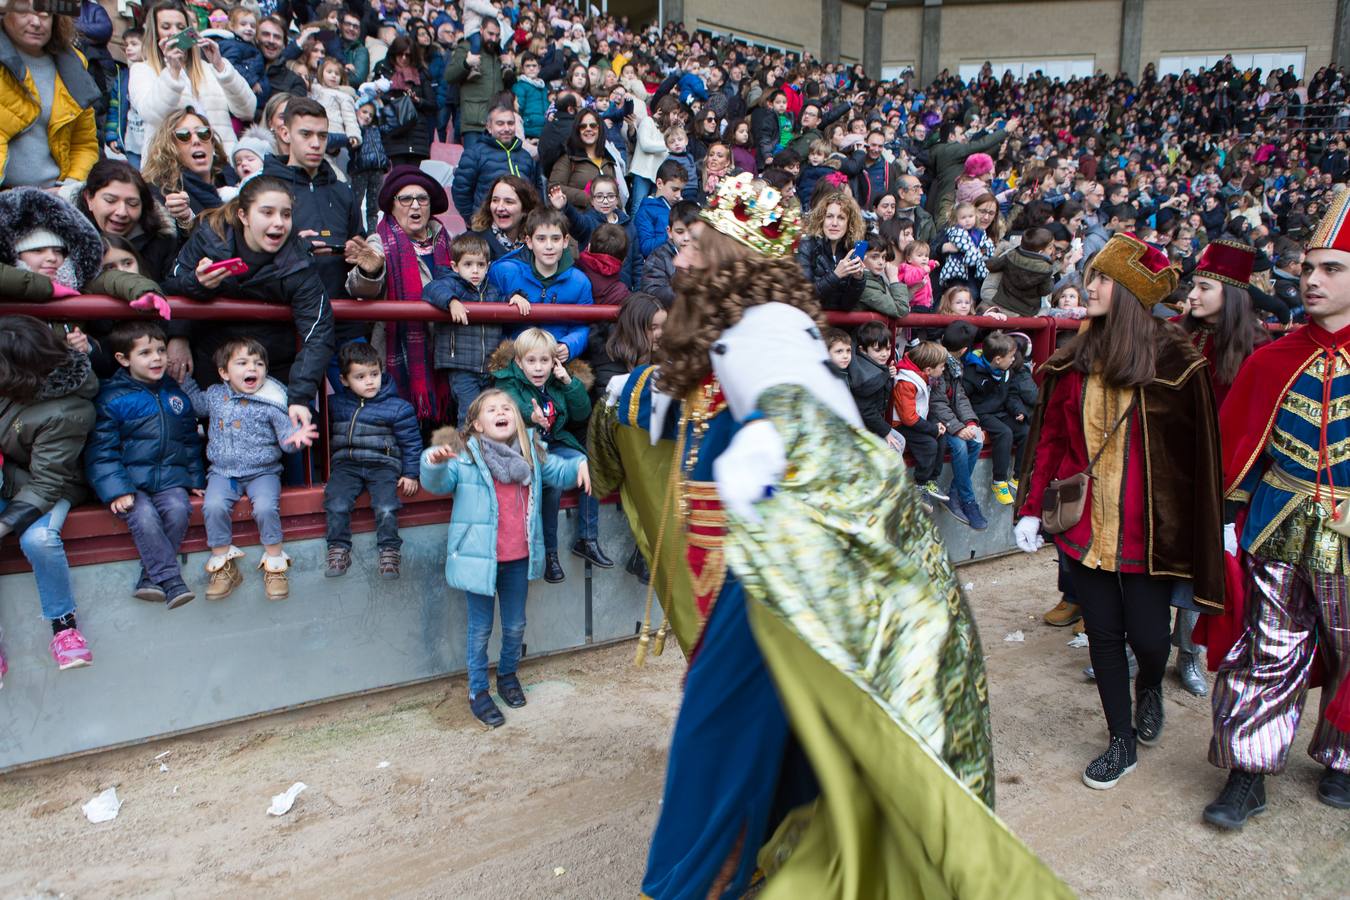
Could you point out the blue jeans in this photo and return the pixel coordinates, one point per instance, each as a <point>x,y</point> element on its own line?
<point>158,523</point>
<point>41,545</point>
<point>513,581</point>
<point>466,385</point>
<point>964,454</point>
<point>222,493</point>
<point>642,189</point>
<point>589,507</point>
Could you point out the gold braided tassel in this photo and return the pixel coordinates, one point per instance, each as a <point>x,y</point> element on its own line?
<point>660,646</point>
<point>643,641</point>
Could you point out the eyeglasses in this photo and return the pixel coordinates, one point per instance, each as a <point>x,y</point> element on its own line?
<point>183,135</point>
<point>409,200</point>
<point>605,196</point>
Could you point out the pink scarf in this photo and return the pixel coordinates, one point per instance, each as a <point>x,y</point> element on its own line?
<point>407,351</point>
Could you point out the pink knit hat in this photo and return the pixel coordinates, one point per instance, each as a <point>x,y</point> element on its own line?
<point>978,164</point>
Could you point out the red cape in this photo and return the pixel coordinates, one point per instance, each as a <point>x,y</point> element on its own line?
<point>1245,422</point>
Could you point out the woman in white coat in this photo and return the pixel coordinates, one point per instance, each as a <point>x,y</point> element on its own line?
<point>171,78</point>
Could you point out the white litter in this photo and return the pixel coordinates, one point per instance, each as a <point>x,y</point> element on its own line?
<point>175,789</point>
<point>384,764</point>
<point>1079,640</point>
<point>1015,638</point>
<point>103,808</point>
<point>162,755</point>
<point>163,768</point>
<point>559,871</point>
<point>282,803</point>
<point>968,586</point>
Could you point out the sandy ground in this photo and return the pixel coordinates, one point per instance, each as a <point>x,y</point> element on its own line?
<point>561,801</point>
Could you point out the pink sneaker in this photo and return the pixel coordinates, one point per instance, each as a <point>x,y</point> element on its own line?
<point>70,650</point>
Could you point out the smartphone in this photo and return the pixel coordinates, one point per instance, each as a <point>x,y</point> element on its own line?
<point>234,266</point>
<point>186,40</point>
<point>628,107</point>
<point>860,249</point>
<point>1076,245</point>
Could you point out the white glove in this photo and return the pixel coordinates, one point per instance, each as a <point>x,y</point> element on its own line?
<point>1230,544</point>
<point>749,467</point>
<point>1027,532</point>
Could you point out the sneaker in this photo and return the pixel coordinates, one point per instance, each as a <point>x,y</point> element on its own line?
<point>975,516</point>
<point>1334,789</point>
<point>1149,715</point>
<point>390,562</point>
<point>176,594</point>
<point>224,580</point>
<point>590,550</point>
<point>275,583</point>
<point>486,711</point>
<point>953,505</point>
<point>508,687</point>
<point>1118,761</point>
<point>1003,493</point>
<point>339,561</point>
<point>147,590</point>
<point>553,570</point>
<point>1064,613</point>
<point>1013,486</point>
<point>1243,796</point>
<point>69,650</point>
<point>932,490</point>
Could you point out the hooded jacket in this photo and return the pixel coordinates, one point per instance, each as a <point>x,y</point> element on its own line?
<point>532,95</point>
<point>327,205</point>
<point>910,399</point>
<point>72,133</point>
<point>517,274</point>
<point>989,390</point>
<point>1027,277</point>
<point>481,165</point>
<point>41,442</point>
<point>288,278</point>
<point>870,385</point>
<point>243,431</point>
<point>381,431</point>
<point>569,404</point>
<point>603,272</point>
<point>581,224</point>
<point>144,439</point>
<point>464,347</point>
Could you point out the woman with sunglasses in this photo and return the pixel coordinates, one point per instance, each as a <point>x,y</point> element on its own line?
<point>175,77</point>
<point>185,162</point>
<point>707,130</point>
<point>586,156</point>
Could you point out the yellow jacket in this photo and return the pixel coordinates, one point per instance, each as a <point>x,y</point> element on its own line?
<point>71,133</point>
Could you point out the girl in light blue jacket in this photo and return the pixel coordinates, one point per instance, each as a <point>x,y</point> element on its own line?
<point>496,471</point>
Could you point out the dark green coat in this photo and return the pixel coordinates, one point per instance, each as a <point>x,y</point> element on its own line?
<point>571,401</point>
<point>475,96</point>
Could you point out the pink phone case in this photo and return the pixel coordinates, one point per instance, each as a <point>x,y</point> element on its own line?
<point>234,266</point>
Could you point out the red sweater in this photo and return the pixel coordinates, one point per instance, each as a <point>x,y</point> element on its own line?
<point>513,541</point>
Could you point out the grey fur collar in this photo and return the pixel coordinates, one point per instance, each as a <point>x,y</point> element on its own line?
<point>66,378</point>
<point>505,462</point>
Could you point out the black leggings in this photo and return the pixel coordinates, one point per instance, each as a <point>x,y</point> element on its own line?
<point>1119,608</point>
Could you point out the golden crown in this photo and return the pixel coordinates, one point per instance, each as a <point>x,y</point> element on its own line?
<point>757,215</point>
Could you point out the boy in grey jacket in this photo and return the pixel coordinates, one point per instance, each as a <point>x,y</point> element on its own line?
<point>246,432</point>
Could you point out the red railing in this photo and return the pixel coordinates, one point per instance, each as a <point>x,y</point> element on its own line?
<point>93,535</point>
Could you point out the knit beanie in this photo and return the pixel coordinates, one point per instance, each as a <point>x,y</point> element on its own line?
<point>978,165</point>
<point>38,239</point>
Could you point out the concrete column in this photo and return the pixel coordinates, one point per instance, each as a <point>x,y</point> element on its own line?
<point>1340,41</point>
<point>1131,37</point>
<point>873,23</point>
<point>930,42</point>
<point>830,15</point>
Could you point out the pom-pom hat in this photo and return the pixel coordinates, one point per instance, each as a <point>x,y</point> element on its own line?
<point>755,214</point>
<point>1142,269</point>
<point>1228,262</point>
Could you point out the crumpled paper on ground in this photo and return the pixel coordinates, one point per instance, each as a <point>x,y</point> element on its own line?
<point>1015,637</point>
<point>103,808</point>
<point>282,803</point>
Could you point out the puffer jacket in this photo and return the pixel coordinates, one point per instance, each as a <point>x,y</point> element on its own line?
<point>145,438</point>
<point>569,404</point>
<point>818,259</point>
<point>381,431</point>
<point>340,106</point>
<point>247,59</point>
<point>218,96</point>
<point>471,544</point>
<point>464,347</point>
<point>72,131</point>
<point>516,274</point>
<point>989,390</point>
<point>1026,278</point>
<point>481,165</point>
<point>532,95</point>
<point>243,431</point>
<point>870,385</point>
<point>42,442</point>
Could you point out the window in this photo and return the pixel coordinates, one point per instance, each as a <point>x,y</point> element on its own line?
<point>1265,60</point>
<point>895,71</point>
<point>1063,69</point>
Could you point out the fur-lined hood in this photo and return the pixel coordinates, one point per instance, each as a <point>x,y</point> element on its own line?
<point>505,355</point>
<point>24,210</point>
<point>71,191</point>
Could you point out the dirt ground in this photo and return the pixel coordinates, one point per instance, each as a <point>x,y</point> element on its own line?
<point>560,802</point>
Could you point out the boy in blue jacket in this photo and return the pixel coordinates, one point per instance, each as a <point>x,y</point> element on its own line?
<point>532,96</point>
<point>375,446</point>
<point>543,273</point>
<point>144,456</point>
<point>653,215</point>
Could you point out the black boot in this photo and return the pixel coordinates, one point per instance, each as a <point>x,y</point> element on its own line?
<point>1334,789</point>
<point>1243,796</point>
<point>1118,761</point>
<point>553,570</point>
<point>637,567</point>
<point>1148,715</point>
<point>590,550</point>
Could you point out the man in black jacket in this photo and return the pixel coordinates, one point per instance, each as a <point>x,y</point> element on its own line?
<point>280,79</point>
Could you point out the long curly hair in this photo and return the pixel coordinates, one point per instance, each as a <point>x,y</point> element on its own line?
<point>710,300</point>
<point>161,166</point>
<point>814,226</point>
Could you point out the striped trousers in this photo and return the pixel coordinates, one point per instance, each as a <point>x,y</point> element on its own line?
<point>1261,685</point>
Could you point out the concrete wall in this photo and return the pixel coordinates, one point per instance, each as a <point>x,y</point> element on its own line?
<point>1208,25</point>
<point>851,32</point>
<point>903,36</point>
<point>792,24</point>
<point>1036,30</point>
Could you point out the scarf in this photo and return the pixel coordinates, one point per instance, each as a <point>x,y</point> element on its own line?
<point>202,195</point>
<point>407,351</point>
<point>505,461</point>
<point>406,78</point>
<point>65,273</point>
<point>507,243</point>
